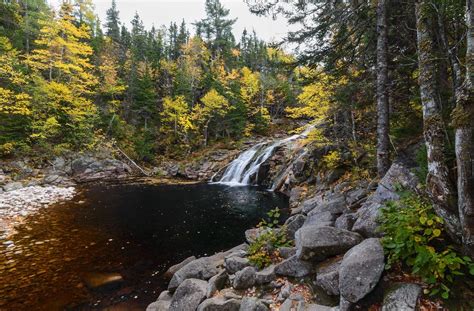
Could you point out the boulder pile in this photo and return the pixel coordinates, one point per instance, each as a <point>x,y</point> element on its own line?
<point>337,254</point>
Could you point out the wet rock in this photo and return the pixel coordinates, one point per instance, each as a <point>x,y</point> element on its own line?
<point>266,275</point>
<point>188,295</point>
<point>252,304</point>
<point>401,297</point>
<point>327,276</point>
<point>173,269</point>
<point>202,268</point>
<point>216,283</point>
<point>234,264</point>
<point>293,224</point>
<point>318,243</point>
<point>219,304</point>
<point>293,267</point>
<point>245,278</point>
<point>361,269</point>
<point>99,281</point>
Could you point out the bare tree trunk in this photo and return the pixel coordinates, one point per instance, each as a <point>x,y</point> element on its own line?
<point>437,180</point>
<point>463,117</point>
<point>383,125</point>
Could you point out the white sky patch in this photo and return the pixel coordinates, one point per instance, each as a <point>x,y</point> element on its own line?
<point>163,12</point>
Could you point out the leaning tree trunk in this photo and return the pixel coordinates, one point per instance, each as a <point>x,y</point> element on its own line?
<point>463,119</point>
<point>437,180</point>
<point>383,141</point>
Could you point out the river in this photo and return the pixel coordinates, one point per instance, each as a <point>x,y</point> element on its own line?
<point>136,230</point>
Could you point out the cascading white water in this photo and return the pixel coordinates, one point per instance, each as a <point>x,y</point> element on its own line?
<point>246,166</point>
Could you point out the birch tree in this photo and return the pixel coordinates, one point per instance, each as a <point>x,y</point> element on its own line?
<point>383,143</point>
<point>437,180</point>
<point>463,117</point>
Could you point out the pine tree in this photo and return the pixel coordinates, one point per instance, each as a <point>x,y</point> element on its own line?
<point>113,23</point>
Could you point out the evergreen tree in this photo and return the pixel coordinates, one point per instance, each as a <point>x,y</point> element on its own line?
<point>113,23</point>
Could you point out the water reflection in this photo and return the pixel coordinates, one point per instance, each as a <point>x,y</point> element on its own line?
<point>135,230</point>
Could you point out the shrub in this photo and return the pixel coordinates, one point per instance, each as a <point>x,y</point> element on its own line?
<point>414,237</point>
<point>264,250</point>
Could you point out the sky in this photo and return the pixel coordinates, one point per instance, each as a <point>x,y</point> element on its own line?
<point>162,12</point>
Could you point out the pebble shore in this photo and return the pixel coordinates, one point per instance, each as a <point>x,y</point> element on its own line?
<point>17,204</point>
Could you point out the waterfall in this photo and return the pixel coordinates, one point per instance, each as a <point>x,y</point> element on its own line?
<point>247,164</point>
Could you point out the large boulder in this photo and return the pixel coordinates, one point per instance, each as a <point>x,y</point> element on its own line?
<point>327,276</point>
<point>266,275</point>
<point>235,263</point>
<point>335,205</point>
<point>361,269</point>
<point>216,283</point>
<point>245,278</point>
<point>401,297</point>
<point>345,221</point>
<point>367,216</point>
<point>252,304</point>
<point>323,219</point>
<point>202,268</point>
<point>162,304</point>
<point>188,295</point>
<point>173,269</point>
<point>316,243</point>
<point>292,225</point>
<point>219,304</point>
<point>311,203</point>
<point>293,267</point>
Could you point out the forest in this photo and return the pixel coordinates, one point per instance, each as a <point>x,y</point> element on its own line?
<point>377,75</point>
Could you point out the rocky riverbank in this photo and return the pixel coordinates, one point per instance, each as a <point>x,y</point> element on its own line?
<point>336,261</point>
<point>28,185</point>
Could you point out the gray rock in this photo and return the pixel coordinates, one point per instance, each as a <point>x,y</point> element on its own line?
<point>295,196</point>
<point>311,203</point>
<point>287,252</point>
<point>252,304</point>
<point>401,297</point>
<point>345,221</point>
<point>367,216</point>
<point>293,224</point>
<point>345,305</point>
<point>245,278</point>
<point>202,268</point>
<point>361,269</point>
<point>230,293</point>
<point>216,283</point>
<point>335,205</point>
<point>318,243</point>
<point>173,269</point>
<point>252,234</point>
<point>12,186</point>
<point>293,267</point>
<point>234,264</point>
<point>327,276</point>
<point>219,304</point>
<point>162,304</point>
<point>265,276</point>
<point>316,307</point>
<point>323,219</point>
<point>188,295</point>
<point>159,306</point>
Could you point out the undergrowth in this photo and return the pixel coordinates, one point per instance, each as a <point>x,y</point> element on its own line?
<point>414,236</point>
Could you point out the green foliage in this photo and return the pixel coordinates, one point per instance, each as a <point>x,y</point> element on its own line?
<point>414,237</point>
<point>263,251</point>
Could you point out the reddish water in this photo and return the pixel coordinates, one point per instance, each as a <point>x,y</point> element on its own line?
<point>135,230</point>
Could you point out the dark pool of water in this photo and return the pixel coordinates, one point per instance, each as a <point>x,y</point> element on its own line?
<point>134,229</point>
